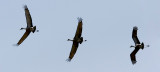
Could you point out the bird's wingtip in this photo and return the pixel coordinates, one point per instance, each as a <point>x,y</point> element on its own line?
<point>135,28</point>
<point>25,7</point>
<point>15,44</point>
<point>79,19</point>
<point>68,60</point>
<point>134,62</point>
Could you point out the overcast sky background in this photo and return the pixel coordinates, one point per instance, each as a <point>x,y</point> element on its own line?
<point>107,26</point>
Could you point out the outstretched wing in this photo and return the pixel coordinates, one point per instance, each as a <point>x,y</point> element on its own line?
<point>133,55</point>
<point>79,28</point>
<point>24,37</point>
<point>73,50</point>
<point>28,17</point>
<point>134,35</point>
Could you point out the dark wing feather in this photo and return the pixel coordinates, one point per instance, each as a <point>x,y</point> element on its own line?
<point>134,36</point>
<point>133,55</point>
<point>79,28</point>
<point>73,50</point>
<point>28,17</point>
<point>24,37</point>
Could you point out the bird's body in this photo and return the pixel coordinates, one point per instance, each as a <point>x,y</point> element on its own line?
<point>29,27</point>
<point>76,40</point>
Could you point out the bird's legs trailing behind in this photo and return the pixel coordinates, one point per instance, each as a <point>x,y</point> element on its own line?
<point>146,46</point>
<point>142,46</point>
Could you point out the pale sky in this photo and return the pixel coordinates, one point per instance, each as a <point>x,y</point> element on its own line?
<point>107,27</point>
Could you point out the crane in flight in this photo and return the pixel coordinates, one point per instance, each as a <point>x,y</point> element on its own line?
<point>137,46</point>
<point>76,40</point>
<point>30,28</point>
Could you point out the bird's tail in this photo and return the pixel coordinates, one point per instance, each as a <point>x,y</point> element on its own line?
<point>142,45</point>
<point>34,29</point>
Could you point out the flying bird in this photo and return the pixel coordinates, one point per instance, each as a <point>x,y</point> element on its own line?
<point>29,27</point>
<point>76,40</point>
<point>137,46</point>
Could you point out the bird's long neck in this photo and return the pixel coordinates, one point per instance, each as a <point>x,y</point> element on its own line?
<point>69,40</point>
<point>132,46</point>
<point>23,28</point>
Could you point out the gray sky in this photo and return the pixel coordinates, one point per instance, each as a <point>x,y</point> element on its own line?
<point>107,25</point>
